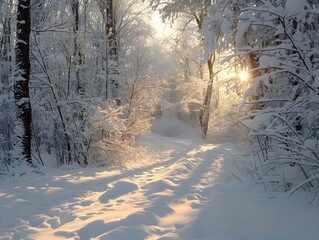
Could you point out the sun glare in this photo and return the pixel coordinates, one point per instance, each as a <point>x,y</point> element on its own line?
<point>243,75</point>
<point>162,29</point>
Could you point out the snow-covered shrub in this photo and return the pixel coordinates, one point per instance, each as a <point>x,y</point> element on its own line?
<point>278,41</point>
<point>285,95</point>
<point>189,106</point>
<point>68,93</point>
<point>108,135</point>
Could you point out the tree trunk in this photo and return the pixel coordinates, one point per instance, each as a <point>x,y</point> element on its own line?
<point>77,51</point>
<point>205,109</point>
<point>21,87</point>
<point>112,51</point>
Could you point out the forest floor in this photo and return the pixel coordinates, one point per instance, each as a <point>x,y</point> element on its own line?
<point>190,190</point>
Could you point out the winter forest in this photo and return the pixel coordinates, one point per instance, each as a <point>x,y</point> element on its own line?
<point>153,119</point>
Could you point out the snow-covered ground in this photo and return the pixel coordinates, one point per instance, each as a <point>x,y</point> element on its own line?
<point>191,190</point>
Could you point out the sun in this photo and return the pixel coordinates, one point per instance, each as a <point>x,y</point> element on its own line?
<point>243,75</point>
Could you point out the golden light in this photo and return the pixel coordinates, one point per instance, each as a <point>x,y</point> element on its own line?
<point>243,75</point>
<point>162,29</point>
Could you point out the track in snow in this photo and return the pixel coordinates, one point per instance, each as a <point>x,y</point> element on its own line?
<point>187,194</point>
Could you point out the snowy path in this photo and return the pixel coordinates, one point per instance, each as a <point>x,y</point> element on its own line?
<point>189,194</point>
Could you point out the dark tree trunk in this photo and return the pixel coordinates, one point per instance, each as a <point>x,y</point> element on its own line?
<point>21,87</point>
<point>205,109</point>
<point>112,61</point>
<point>77,51</point>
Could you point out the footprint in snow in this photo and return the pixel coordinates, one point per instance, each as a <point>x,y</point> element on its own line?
<point>196,205</point>
<point>161,208</point>
<point>160,186</point>
<point>119,188</point>
<point>143,217</point>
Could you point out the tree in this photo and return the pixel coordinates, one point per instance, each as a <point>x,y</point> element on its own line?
<point>107,8</point>
<point>194,12</point>
<point>274,39</point>
<point>286,88</point>
<point>77,49</point>
<point>5,41</point>
<point>21,87</point>
<point>7,106</point>
<point>70,132</point>
<point>197,12</point>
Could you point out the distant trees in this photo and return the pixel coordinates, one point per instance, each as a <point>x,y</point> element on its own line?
<point>192,11</point>
<point>7,66</point>
<point>199,14</point>
<point>6,8</point>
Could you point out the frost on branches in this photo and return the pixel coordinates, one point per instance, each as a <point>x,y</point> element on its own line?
<point>107,138</point>
<point>73,121</point>
<point>278,41</point>
<point>284,96</point>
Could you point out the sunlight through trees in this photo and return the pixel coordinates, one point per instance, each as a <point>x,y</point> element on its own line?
<point>80,81</point>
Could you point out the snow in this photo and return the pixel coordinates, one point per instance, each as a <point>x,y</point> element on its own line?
<point>190,190</point>
<point>226,26</point>
<point>258,122</point>
<point>266,61</point>
<point>295,6</point>
<point>171,127</point>
<point>241,31</point>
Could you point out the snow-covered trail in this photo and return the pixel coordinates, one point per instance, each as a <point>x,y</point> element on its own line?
<point>189,194</point>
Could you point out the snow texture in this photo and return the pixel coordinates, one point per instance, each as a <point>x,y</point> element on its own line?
<point>295,6</point>
<point>191,192</point>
